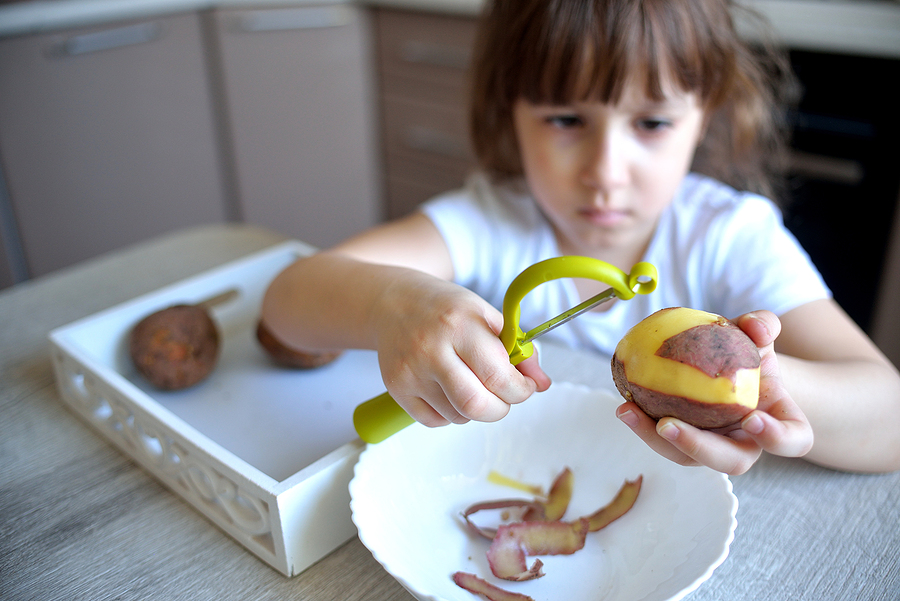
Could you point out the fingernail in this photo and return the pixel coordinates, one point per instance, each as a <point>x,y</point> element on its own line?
<point>628,418</point>
<point>668,430</point>
<point>753,424</point>
<point>761,323</point>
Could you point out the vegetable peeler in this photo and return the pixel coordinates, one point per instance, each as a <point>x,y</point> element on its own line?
<point>380,417</point>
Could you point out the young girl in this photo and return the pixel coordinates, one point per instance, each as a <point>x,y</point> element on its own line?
<point>586,115</point>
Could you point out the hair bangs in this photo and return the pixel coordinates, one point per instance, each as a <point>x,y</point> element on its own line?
<point>590,51</point>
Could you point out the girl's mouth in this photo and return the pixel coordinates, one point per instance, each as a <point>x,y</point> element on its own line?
<point>603,217</point>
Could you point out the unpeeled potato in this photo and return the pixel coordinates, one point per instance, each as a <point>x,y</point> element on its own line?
<point>289,357</point>
<point>176,347</point>
<point>692,365</point>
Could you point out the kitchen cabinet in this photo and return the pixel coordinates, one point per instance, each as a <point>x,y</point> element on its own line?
<point>7,277</point>
<point>297,85</point>
<point>11,269</point>
<point>423,59</point>
<point>886,328</point>
<point>107,137</point>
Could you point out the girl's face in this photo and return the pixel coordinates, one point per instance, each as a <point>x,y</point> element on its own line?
<point>602,174</point>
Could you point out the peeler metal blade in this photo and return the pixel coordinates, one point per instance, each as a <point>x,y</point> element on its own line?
<point>566,317</point>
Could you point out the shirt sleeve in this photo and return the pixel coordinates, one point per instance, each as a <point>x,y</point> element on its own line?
<point>491,233</point>
<point>462,226</point>
<point>756,263</point>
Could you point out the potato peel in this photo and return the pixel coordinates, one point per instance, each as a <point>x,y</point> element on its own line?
<point>514,542</point>
<point>480,586</point>
<point>619,506</point>
<point>540,531</point>
<point>496,477</point>
<point>488,533</point>
<point>554,508</point>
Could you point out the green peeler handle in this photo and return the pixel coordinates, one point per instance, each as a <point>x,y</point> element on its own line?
<point>380,417</point>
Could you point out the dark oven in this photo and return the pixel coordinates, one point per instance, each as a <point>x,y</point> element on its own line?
<point>844,182</point>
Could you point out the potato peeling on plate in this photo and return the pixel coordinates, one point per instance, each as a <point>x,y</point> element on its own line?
<point>539,529</point>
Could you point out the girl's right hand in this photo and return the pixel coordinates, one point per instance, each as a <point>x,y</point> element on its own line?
<point>778,426</point>
<point>441,357</point>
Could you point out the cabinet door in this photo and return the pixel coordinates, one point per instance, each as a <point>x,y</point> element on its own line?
<point>106,137</point>
<point>6,271</point>
<point>297,84</point>
<point>423,61</point>
<point>885,325</point>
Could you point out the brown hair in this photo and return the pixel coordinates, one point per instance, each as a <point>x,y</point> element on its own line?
<point>562,51</point>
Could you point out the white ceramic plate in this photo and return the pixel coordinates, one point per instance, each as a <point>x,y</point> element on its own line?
<point>408,491</point>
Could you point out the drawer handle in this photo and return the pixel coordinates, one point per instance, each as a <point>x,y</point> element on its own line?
<point>424,139</point>
<point>829,169</point>
<point>292,19</point>
<point>109,39</point>
<point>435,55</point>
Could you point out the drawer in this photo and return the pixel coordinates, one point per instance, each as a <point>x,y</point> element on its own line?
<point>423,62</point>
<point>432,134</point>
<point>404,194</point>
<point>424,55</point>
<point>413,181</point>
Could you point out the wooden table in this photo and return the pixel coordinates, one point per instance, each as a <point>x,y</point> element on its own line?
<point>79,520</point>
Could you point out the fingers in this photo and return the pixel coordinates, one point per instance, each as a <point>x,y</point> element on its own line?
<point>733,450</point>
<point>445,363</point>
<point>423,412</point>
<point>686,445</point>
<point>763,327</point>
<point>482,387</point>
<point>645,427</point>
<point>792,437</point>
<point>489,362</point>
<point>778,425</point>
<point>531,368</point>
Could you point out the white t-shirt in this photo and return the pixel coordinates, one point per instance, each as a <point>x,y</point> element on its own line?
<point>715,248</point>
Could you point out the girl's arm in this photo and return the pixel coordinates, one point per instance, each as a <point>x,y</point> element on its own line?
<point>826,393</point>
<point>388,290</point>
<point>847,388</point>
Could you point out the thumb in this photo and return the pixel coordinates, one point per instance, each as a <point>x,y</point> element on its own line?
<point>531,368</point>
<point>763,327</point>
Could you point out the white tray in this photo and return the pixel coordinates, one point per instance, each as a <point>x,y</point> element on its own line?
<point>265,452</point>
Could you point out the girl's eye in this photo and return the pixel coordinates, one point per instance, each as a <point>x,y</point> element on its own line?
<point>653,125</point>
<point>565,121</point>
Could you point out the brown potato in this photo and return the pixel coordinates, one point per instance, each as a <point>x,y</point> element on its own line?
<point>176,347</point>
<point>289,357</point>
<point>688,364</point>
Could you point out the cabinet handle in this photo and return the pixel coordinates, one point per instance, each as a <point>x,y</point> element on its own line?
<point>290,19</point>
<point>108,39</point>
<point>425,139</point>
<point>829,169</point>
<point>435,55</point>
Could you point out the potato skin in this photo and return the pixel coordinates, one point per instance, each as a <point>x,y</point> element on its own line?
<point>288,357</point>
<point>657,405</point>
<point>717,349</point>
<point>176,347</point>
<point>692,365</point>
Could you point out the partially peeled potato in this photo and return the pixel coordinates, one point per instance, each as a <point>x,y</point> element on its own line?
<point>692,365</point>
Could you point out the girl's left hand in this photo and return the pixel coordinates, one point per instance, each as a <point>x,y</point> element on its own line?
<point>776,426</point>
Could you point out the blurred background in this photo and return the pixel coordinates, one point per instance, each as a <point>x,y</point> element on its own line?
<point>121,120</point>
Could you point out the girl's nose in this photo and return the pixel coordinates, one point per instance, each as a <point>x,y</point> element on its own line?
<point>606,164</point>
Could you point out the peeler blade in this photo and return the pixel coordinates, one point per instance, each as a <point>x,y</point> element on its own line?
<point>566,317</point>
